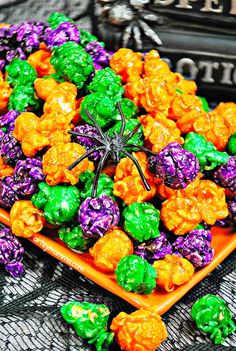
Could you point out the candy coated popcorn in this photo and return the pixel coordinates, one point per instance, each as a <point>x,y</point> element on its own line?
<point>40,60</point>
<point>57,160</point>
<point>24,123</point>
<point>142,330</point>
<point>44,87</point>
<point>25,219</point>
<point>184,104</point>
<point>5,170</point>
<point>110,249</point>
<point>5,93</point>
<point>227,110</point>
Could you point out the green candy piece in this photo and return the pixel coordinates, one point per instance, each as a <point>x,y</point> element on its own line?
<point>199,227</point>
<point>72,62</point>
<point>178,91</point>
<point>72,237</point>
<point>57,18</point>
<point>90,322</point>
<point>104,187</point>
<point>208,156</point>
<point>205,105</point>
<point>130,124</point>
<point>135,274</point>
<point>20,72</point>
<point>22,97</point>
<point>106,81</point>
<point>86,37</point>
<point>141,221</point>
<point>103,108</point>
<point>213,316</point>
<point>232,144</point>
<point>59,203</point>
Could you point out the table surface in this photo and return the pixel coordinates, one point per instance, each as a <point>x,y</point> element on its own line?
<point>29,312</point>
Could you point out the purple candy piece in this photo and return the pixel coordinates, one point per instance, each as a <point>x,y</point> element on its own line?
<point>7,195</point>
<point>176,167</point>
<point>225,175</point>
<point>99,55</point>
<point>154,249</point>
<point>196,247</point>
<point>27,174</point>
<point>232,209</point>
<point>65,32</point>
<point>11,253</point>
<point>10,148</point>
<point>88,143</point>
<point>9,118</point>
<point>96,216</point>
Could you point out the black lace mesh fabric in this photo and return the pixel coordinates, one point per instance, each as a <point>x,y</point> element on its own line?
<point>29,307</point>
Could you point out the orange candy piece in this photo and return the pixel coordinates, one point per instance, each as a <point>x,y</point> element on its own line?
<point>5,170</point>
<point>110,249</point>
<point>40,60</point>
<point>128,184</point>
<point>57,160</point>
<point>126,63</point>
<point>44,87</point>
<point>26,219</point>
<point>5,93</point>
<point>172,271</point>
<point>142,330</point>
<point>184,104</point>
<point>227,110</point>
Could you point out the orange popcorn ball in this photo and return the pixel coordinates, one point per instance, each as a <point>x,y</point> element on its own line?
<point>227,110</point>
<point>26,219</point>
<point>128,184</point>
<point>44,87</point>
<point>172,271</point>
<point>5,92</point>
<point>57,160</point>
<point>180,215</point>
<point>185,123</point>
<point>184,105</point>
<point>126,63</point>
<point>134,88</point>
<point>5,170</point>
<point>110,249</point>
<point>163,191</point>
<point>186,86</point>
<point>62,100</point>
<point>24,123</point>
<point>142,330</point>
<point>40,60</point>
<point>33,142</point>
<point>214,129</point>
<point>159,131</point>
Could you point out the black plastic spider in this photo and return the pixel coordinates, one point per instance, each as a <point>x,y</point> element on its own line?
<point>112,146</point>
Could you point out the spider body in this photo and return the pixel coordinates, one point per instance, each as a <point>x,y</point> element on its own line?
<point>112,146</point>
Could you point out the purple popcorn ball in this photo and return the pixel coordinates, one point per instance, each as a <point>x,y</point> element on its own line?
<point>97,215</point>
<point>10,148</point>
<point>88,143</point>
<point>9,118</point>
<point>176,167</point>
<point>99,55</point>
<point>232,209</point>
<point>11,253</point>
<point>7,195</point>
<point>29,34</point>
<point>196,247</point>
<point>154,249</point>
<point>27,174</point>
<point>66,31</point>
<point>225,175</point>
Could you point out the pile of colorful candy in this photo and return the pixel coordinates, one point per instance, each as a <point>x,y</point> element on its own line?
<point>120,159</point>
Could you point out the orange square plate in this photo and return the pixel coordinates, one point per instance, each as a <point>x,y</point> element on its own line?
<point>224,242</point>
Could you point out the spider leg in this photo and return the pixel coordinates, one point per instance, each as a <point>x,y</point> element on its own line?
<point>127,35</point>
<point>85,136</point>
<point>99,129</point>
<point>138,168</point>
<point>98,171</point>
<point>74,164</point>
<point>137,37</point>
<point>122,119</point>
<point>142,148</point>
<point>128,136</point>
<point>149,32</point>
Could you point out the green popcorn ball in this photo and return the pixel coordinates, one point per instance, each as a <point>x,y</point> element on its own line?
<point>130,124</point>
<point>135,274</point>
<point>232,144</point>
<point>23,97</point>
<point>213,316</point>
<point>104,187</point>
<point>60,203</point>
<point>72,237</point>
<point>106,81</point>
<point>57,18</point>
<point>90,322</point>
<point>208,156</point>
<point>86,37</point>
<point>141,221</point>
<point>55,76</point>
<point>104,110</point>
<point>20,72</point>
<point>72,62</point>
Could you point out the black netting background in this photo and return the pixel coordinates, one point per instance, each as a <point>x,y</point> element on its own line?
<point>29,307</point>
